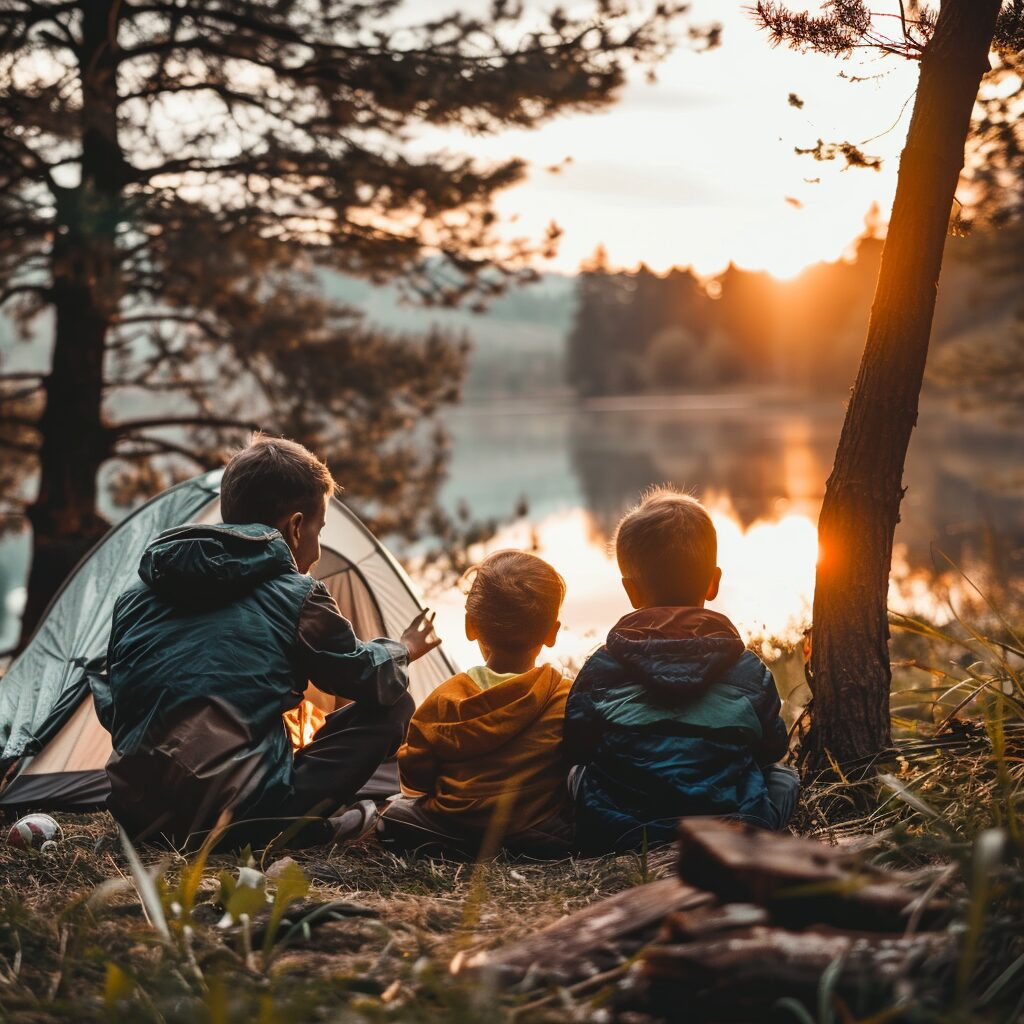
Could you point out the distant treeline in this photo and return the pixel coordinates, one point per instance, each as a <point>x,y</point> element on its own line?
<point>639,332</point>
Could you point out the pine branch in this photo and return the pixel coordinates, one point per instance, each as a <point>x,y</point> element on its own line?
<point>158,422</point>
<point>158,446</point>
<point>43,291</point>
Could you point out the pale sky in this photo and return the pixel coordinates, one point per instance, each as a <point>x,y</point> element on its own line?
<point>696,168</point>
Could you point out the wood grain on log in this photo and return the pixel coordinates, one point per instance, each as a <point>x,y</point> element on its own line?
<point>800,881</point>
<point>566,949</point>
<point>755,966</point>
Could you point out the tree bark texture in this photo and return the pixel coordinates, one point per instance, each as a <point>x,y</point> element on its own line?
<point>851,673</point>
<point>86,293</point>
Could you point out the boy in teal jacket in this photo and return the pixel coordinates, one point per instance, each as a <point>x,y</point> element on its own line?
<point>218,639</point>
<point>672,717</point>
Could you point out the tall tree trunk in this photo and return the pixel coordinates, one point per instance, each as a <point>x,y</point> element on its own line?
<point>84,269</point>
<point>851,674</point>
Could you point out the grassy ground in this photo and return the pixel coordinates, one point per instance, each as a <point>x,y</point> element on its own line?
<point>85,935</point>
<point>81,938</point>
<point>76,944</point>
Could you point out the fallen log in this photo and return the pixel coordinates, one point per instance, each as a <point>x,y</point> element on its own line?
<point>741,974</point>
<point>587,943</point>
<point>713,919</point>
<point>800,881</point>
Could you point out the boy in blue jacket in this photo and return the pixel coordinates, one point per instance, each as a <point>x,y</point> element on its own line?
<point>673,716</point>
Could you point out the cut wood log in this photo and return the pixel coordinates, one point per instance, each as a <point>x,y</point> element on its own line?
<point>586,943</point>
<point>704,922</point>
<point>800,881</point>
<point>735,974</point>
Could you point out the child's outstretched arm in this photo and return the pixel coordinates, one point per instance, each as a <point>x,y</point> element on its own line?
<point>333,658</point>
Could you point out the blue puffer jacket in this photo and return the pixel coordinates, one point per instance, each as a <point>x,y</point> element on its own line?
<point>672,717</point>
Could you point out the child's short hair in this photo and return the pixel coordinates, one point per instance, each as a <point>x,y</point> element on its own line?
<point>513,600</point>
<point>271,478</point>
<point>668,543</point>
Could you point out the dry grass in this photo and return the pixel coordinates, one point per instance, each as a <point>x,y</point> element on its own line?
<point>75,942</point>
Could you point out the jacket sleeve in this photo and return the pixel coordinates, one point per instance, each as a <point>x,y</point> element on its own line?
<point>332,657</point>
<point>774,735</point>
<point>584,725</point>
<point>417,766</point>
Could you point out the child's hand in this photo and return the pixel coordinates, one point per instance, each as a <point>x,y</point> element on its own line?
<point>419,635</point>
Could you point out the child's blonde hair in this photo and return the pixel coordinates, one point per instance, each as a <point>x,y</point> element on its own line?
<point>514,599</point>
<point>668,543</point>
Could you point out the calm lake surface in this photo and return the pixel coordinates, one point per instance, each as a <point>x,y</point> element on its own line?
<point>759,462</point>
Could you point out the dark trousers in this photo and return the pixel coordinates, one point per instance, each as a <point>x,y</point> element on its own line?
<point>406,826</point>
<point>781,781</point>
<point>332,768</point>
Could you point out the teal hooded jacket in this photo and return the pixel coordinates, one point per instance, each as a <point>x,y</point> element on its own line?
<point>207,651</point>
<point>671,717</point>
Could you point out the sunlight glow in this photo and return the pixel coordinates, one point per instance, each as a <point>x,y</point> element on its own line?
<point>302,723</point>
<point>767,587</point>
<point>767,580</point>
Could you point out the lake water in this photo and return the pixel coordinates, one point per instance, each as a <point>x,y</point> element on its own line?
<point>760,463</point>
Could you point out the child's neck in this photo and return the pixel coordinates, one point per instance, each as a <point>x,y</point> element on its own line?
<point>504,662</point>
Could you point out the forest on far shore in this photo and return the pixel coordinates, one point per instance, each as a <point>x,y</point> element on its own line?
<point>640,332</point>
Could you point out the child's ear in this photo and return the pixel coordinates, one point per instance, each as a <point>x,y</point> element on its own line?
<point>471,633</point>
<point>291,528</point>
<point>716,582</point>
<point>633,592</point>
<point>549,640</point>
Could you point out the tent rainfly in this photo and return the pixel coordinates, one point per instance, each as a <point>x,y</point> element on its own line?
<point>52,746</point>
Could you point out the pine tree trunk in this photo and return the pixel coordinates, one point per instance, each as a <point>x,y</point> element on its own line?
<point>850,667</point>
<point>84,270</point>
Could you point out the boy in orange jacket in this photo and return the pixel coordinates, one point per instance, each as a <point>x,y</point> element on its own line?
<point>482,756</point>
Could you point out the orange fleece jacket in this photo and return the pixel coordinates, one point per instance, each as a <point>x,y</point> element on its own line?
<point>467,748</point>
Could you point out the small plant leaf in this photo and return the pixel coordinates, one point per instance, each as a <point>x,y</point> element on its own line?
<point>244,894</point>
<point>117,986</point>
<point>145,885</point>
<point>292,885</point>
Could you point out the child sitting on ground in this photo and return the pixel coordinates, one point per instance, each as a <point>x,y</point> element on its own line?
<point>482,756</point>
<point>218,638</point>
<point>673,717</point>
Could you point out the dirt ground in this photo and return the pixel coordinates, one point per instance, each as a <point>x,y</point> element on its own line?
<point>75,942</point>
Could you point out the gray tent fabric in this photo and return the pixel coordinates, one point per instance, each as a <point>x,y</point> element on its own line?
<point>45,694</point>
<point>49,675</point>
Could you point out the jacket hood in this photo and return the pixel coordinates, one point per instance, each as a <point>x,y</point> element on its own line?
<point>677,653</point>
<point>209,566</point>
<point>465,722</point>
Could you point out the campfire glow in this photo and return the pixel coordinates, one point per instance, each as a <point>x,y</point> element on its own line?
<point>302,723</point>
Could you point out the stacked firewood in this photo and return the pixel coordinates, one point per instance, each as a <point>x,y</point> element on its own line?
<point>791,919</point>
<point>752,918</point>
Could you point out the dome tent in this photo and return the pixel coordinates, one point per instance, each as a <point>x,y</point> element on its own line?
<point>51,742</point>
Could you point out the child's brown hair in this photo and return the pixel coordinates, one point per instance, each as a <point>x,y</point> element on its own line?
<point>513,600</point>
<point>668,543</point>
<point>270,478</point>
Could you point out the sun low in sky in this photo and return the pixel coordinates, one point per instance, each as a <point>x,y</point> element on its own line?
<point>700,169</point>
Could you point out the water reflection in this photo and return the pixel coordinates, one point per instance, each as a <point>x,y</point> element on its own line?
<point>760,463</point>
<point>767,582</point>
